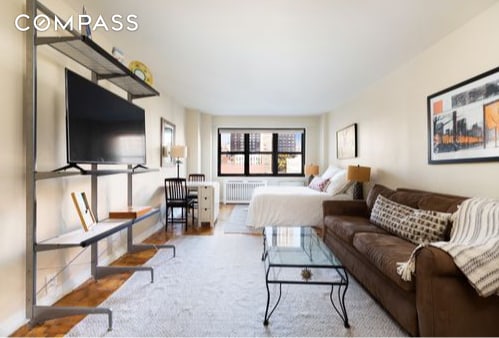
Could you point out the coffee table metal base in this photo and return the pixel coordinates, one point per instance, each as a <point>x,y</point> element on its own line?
<point>341,290</point>
<point>298,256</point>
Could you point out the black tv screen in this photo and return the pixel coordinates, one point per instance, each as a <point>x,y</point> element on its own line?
<point>102,127</point>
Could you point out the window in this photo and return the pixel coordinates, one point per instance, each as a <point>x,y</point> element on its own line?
<point>257,152</point>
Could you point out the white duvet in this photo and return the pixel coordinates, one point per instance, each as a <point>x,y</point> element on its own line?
<point>287,206</point>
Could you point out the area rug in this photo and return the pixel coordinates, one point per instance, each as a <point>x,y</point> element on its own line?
<point>236,224</point>
<point>215,286</point>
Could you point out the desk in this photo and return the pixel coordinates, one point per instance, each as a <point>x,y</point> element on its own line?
<point>208,201</point>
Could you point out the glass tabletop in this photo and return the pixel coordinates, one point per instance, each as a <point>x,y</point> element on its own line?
<point>297,246</point>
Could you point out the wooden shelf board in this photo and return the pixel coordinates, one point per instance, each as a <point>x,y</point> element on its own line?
<point>81,238</point>
<point>130,212</point>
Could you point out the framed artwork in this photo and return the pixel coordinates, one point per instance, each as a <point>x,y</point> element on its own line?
<point>167,141</point>
<point>82,206</point>
<point>463,121</point>
<point>346,142</point>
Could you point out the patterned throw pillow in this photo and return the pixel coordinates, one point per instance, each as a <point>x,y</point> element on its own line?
<point>425,226</point>
<point>388,214</point>
<point>318,183</point>
<point>415,225</point>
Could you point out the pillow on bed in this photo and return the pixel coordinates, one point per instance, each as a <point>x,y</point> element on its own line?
<point>330,172</point>
<point>338,183</point>
<point>318,183</point>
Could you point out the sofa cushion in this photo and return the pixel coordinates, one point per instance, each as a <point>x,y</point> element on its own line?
<point>417,226</point>
<point>384,251</point>
<point>376,190</point>
<point>345,227</point>
<point>440,203</point>
<point>409,198</point>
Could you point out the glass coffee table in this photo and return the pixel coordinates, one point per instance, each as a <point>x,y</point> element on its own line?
<point>296,255</point>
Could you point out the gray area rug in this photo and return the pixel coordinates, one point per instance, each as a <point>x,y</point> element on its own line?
<point>237,221</point>
<point>216,287</point>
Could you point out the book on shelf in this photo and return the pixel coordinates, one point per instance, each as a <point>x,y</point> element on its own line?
<point>86,215</point>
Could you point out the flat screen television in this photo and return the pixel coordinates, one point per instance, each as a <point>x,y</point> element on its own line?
<point>101,127</point>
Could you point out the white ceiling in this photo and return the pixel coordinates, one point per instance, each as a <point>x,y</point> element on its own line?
<point>277,57</point>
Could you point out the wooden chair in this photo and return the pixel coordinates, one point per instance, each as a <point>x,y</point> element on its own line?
<point>176,197</point>
<point>193,192</point>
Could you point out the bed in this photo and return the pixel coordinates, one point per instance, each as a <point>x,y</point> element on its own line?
<point>296,206</point>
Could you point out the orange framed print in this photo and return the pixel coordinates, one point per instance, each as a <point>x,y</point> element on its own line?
<point>463,121</point>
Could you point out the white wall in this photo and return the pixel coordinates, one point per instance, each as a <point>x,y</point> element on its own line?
<point>12,211</point>
<point>56,213</point>
<point>207,147</point>
<point>392,115</point>
<point>193,137</point>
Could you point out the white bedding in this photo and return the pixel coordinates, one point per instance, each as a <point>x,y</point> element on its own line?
<point>287,206</point>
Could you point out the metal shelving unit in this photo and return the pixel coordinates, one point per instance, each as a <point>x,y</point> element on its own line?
<point>86,52</point>
<point>103,67</point>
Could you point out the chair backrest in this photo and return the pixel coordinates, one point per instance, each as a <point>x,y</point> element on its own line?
<point>196,178</point>
<point>175,189</point>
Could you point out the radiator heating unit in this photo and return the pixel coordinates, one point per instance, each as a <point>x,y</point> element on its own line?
<point>240,191</point>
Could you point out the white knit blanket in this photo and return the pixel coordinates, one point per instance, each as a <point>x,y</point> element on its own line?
<point>473,244</point>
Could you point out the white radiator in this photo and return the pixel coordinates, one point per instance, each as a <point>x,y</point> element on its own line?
<point>240,191</point>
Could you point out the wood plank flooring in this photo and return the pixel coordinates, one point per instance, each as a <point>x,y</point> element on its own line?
<point>93,292</point>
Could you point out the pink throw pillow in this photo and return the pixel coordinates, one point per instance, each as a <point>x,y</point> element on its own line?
<point>318,183</point>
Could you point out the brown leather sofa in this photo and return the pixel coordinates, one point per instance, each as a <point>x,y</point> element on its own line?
<point>438,301</point>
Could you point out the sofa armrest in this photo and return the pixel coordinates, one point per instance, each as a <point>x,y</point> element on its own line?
<point>436,261</point>
<point>342,207</point>
<point>446,303</point>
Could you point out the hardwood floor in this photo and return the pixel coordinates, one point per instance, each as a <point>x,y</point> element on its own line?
<point>93,292</point>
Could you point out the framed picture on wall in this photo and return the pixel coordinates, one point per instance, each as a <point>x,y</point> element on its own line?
<point>346,142</point>
<point>463,121</point>
<point>167,141</point>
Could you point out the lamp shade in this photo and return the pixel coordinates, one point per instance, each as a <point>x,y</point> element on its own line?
<point>358,173</point>
<point>179,151</point>
<point>311,169</point>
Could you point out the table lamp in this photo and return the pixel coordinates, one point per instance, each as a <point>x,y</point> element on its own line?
<point>311,170</point>
<point>359,175</point>
<point>178,152</point>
